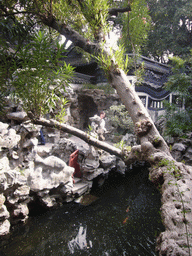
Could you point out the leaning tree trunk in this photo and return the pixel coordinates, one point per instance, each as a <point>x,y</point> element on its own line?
<point>144,126</point>
<point>173,178</point>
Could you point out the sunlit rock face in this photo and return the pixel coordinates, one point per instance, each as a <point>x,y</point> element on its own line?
<point>13,201</point>
<point>33,173</point>
<point>23,171</point>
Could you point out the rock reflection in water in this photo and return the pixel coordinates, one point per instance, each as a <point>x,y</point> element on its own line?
<point>80,241</point>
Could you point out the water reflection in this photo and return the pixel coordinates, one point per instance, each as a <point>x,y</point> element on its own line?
<point>124,221</point>
<point>80,241</point>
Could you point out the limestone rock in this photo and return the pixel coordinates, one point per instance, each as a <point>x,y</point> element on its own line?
<point>187,157</point>
<point>4,214</point>
<point>107,160</point>
<point>14,178</point>
<point>129,139</point>
<point>121,167</point>
<point>30,143</point>
<point>29,128</point>
<point>19,116</point>
<point>178,147</point>
<point>22,193</point>
<point>2,200</point>
<point>4,164</point>
<point>49,173</point>
<point>8,137</point>
<point>91,161</point>
<point>54,162</point>
<point>64,149</point>
<point>3,128</point>
<point>92,175</point>
<point>45,150</point>
<point>49,201</point>
<point>81,188</point>
<point>4,228</point>
<point>177,151</point>
<point>20,213</point>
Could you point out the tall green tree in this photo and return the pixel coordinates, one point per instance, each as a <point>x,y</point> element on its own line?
<point>171,28</point>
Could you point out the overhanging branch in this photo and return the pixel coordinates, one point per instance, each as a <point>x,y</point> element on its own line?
<point>80,134</point>
<point>72,35</point>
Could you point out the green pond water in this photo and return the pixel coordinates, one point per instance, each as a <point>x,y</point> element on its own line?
<point>125,220</point>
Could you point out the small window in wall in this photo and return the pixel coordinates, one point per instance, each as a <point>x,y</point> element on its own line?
<point>177,100</point>
<point>143,99</point>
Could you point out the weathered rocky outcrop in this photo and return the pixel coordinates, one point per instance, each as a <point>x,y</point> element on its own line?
<point>181,149</point>
<point>31,172</point>
<point>13,189</point>
<point>24,175</point>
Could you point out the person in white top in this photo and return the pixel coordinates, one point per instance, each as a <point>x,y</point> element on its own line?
<point>98,125</point>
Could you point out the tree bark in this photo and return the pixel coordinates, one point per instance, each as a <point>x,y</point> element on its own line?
<point>144,126</point>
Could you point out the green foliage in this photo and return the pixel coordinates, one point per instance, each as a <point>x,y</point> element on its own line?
<point>120,119</point>
<point>122,145</point>
<point>107,61</point>
<point>59,108</point>
<point>90,128</point>
<point>96,13</point>
<point>34,82</point>
<point>13,33</point>
<point>178,121</point>
<point>135,28</point>
<point>88,17</point>
<point>170,31</point>
<point>180,80</point>
<point>136,25</point>
<point>169,164</point>
<point>6,70</point>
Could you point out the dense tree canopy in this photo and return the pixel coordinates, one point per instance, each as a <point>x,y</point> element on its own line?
<point>171,28</point>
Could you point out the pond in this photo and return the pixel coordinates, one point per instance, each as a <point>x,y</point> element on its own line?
<point>125,220</point>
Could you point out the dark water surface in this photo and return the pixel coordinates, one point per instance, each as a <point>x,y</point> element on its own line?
<point>125,220</point>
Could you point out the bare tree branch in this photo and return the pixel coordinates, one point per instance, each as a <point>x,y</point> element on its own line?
<point>82,135</point>
<point>70,34</point>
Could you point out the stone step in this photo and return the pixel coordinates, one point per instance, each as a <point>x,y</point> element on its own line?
<point>80,188</point>
<point>76,180</point>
